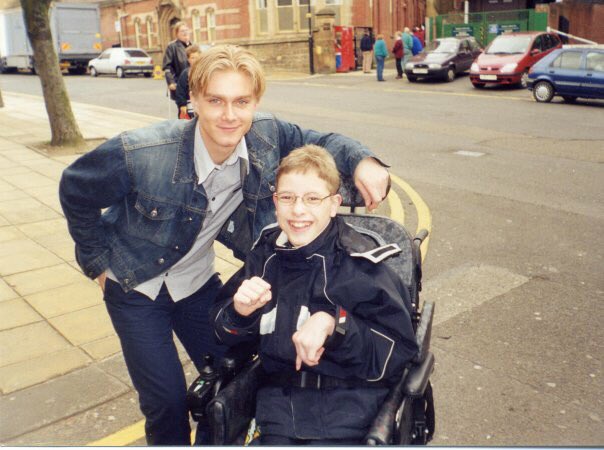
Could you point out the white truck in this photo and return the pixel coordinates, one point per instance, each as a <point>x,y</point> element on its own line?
<point>75,31</point>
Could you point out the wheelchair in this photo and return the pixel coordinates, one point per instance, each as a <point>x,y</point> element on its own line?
<point>224,399</point>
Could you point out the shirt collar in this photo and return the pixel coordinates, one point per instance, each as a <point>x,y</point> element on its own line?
<point>203,162</point>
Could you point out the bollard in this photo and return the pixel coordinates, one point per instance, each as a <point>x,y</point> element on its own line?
<point>158,74</point>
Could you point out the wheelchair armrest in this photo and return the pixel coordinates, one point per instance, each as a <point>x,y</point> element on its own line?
<point>382,427</point>
<point>418,377</point>
<point>231,410</point>
<point>424,332</point>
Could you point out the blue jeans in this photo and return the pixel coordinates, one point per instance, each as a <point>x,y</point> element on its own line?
<point>145,329</point>
<point>380,67</point>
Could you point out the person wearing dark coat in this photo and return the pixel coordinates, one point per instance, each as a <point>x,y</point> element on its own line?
<point>398,52</point>
<point>367,50</point>
<point>175,57</point>
<point>182,87</point>
<point>321,305</point>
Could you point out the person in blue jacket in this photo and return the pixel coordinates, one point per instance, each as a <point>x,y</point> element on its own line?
<point>417,45</point>
<point>381,52</point>
<point>331,321</point>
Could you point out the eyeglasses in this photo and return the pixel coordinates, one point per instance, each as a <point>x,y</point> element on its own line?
<point>309,199</point>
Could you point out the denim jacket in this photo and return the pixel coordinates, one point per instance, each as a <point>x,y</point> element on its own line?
<point>155,207</point>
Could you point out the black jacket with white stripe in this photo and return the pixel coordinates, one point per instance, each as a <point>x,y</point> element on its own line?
<point>340,268</point>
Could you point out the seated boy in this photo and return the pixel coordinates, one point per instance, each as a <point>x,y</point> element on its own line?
<point>331,320</point>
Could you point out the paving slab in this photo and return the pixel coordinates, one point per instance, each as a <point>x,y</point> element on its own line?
<point>16,313</point>
<point>13,194</point>
<point>29,341</point>
<point>26,210</point>
<point>54,400</point>
<point>102,348</point>
<point>45,279</point>
<point>66,299</point>
<point>10,233</point>
<point>59,243</point>
<point>6,292</point>
<point>19,256</point>
<point>44,228</point>
<point>36,370</point>
<point>85,325</point>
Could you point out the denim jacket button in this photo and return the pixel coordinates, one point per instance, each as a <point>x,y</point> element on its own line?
<point>126,280</point>
<point>176,247</point>
<point>154,213</point>
<point>161,261</point>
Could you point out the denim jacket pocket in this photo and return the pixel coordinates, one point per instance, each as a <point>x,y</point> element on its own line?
<point>154,220</point>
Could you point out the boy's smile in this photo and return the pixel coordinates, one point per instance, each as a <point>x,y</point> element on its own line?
<point>302,223</point>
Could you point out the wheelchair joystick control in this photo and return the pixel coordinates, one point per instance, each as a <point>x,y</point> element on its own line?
<point>202,390</point>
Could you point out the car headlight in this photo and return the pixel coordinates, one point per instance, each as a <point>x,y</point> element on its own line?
<point>434,66</point>
<point>409,66</point>
<point>474,68</point>
<point>509,68</point>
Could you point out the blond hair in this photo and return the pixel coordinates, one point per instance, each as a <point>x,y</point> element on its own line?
<point>177,26</point>
<point>311,158</point>
<point>224,58</point>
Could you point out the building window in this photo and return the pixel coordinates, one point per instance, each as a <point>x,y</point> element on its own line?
<point>211,24</point>
<point>262,16</point>
<point>149,32</point>
<point>137,32</point>
<point>285,11</point>
<point>196,26</point>
<point>302,11</point>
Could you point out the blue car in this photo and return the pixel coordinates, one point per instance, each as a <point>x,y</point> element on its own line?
<point>570,72</point>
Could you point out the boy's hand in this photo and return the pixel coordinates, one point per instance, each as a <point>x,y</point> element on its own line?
<point>309,339</point>
<point>253,294</point>
<point>371,179</point>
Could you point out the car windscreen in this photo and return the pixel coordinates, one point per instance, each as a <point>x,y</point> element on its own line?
<point>136,54</point>
<point>509,45</point>
<point>443,46</point>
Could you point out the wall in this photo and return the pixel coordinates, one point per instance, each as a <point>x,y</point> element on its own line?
<point>585,19</point>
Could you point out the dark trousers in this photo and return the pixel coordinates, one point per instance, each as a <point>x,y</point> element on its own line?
<point>282,440</point>
<point>145,329</point>
<point>399,66</point>
<point>380,67</point>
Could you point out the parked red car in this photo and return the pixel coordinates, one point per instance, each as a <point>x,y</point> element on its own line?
<point>509,57</point>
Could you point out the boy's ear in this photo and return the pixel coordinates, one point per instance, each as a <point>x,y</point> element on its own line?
<point>336,201</point>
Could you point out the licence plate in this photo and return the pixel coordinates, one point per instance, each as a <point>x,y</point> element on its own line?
<point>488,77</point>
<point>140,63</point>
<point>420,70</point>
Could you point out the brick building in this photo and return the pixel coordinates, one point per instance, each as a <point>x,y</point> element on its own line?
<point>276,30</point>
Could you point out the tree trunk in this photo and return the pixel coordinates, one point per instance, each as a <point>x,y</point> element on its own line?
<point>64,128</point>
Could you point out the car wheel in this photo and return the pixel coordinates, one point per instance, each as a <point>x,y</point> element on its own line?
<point>93,72</point>
<point>120,72</point>
<point>411,78</point>
<point>543,92</point>
<point>450,76</point>
<point>478,85</point>
<point>569,98</point>
<point>524,80</point>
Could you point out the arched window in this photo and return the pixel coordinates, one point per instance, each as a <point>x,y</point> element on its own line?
<point>211,25</point>
<point>137,31</point>
<point>196,22</point>
<point>149,32</point>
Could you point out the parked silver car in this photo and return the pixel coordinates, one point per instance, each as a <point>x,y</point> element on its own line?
<point>121,61</point>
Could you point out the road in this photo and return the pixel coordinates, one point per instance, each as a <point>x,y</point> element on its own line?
<point>515,190</point>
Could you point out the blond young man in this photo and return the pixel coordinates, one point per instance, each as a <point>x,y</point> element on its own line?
<point>170,190</point>
<point>305,275</point>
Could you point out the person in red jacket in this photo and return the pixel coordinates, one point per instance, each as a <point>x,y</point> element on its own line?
<point>398,52</point>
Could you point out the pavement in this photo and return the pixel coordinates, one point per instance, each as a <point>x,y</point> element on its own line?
<point>55,331</point>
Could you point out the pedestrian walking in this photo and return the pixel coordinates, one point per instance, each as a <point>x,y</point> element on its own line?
<point>145,208</point>
<point>407,45</point>
<point>398,52</point>
<point>367,50</point>
<point>175,58</point>
<point>381,52</point>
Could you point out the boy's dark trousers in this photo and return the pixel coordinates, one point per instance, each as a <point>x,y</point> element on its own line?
<point>145,329</point>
